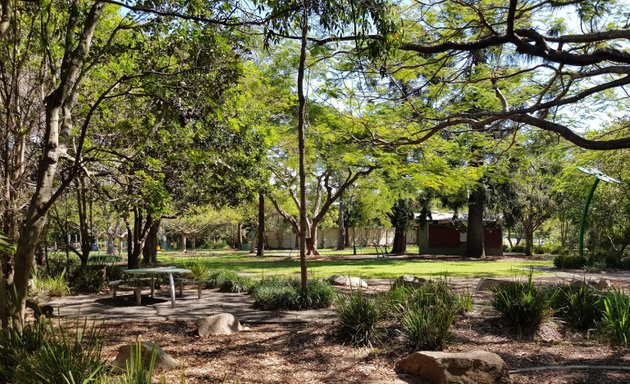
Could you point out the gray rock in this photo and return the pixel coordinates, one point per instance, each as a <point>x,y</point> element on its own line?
<point>487,284</point>
<point>408,281</point>
<point>163,360</point>
<point>220,324</point>
<point>347,281</point>
<point>475,367</point>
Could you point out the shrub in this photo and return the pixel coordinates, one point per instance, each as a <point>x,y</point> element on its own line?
<point>579,305</point>
<point>287,294</point>
<point>428,329</point>
<point>518,249</point>
<point>64,357</point>
<point>358,319</point>
<point>114,272</point>
<point>15,346</point>
<point>88,280</point>
<point>615,321</point>
<point>523,305</point>
<point>102,260</point>
<point>568,262</point>
<point>44,287</point>
<point>237,285</point>
<point>198,271</point>
<point>219,277</point>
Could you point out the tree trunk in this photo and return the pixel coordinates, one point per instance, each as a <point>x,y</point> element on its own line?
<point>475,234</point>
<point>301,145</point>
<point>529,239</point>
<point>400,241</point>
<point>149,252</point>
<point>260,249</point>
<point>35,219</point>
<point>311,242</point>
<point>341,232</point>
<point>184,239</point>
<point>239,235</point>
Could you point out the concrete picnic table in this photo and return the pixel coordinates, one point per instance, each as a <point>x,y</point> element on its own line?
<point>159,271</point>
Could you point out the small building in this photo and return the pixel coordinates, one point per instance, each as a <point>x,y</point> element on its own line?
<point>444,235</point>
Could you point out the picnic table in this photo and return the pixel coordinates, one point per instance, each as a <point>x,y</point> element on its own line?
<point>152,272</point>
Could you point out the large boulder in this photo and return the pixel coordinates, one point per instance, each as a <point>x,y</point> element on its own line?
<point>347,281</point>
<point>475,367</point>
<point>220,324</point>
<point>487,284</point>
<point>408,281</point>
<point>163,361</point>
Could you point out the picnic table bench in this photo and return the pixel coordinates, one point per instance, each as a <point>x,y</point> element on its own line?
<point>182,282</point>
<point>136,285</point>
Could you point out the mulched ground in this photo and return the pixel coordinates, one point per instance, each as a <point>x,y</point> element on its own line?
<point>312,353</point>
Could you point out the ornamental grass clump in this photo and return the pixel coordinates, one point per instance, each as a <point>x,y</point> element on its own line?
<point>615,322</point>
<point>579,305</point>
<point>286,294</point>
<point>523,305</point>
<point>359,318</point>
<point>66,355</point>
<point>428,328</point>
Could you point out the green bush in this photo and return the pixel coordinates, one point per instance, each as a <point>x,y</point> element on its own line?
<point>428,328</point>
<point>523,305</point>
<point>219,278</point>
<point>102,260</point>
<point>615,322</point>
<point>90,279</point>
<point>198,271</point>
<point>239,284</point>
<point>518,249</point>
<point>114,272</point>
<point>45,287</point>
<point>286,294</point>
<point>15,346</point>
<point>568,262</point>
<point>229,281</point>
<point>580,305</point>
<point>65,356</point>
<point>358,319</point>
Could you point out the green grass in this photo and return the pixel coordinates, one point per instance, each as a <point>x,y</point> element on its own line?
<point>242,261</point>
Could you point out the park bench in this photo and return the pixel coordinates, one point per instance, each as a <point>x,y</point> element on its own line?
<point>136,285</point>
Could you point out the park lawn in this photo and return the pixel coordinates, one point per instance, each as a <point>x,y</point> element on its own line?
<point>241,261</point>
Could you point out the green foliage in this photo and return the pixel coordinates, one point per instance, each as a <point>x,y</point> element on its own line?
<point>198,271</point>
<point>102,260</point>
<point>5,244</point>
<point>359,318</point>
<point>568,262</point>
<point>287,294</point>
<point>615,321</point>
<point>114,272</point>
<point>16,346</point>
<point>579,304</point>
<point>47,286</point>
<point>88,280</point>
<point>238,285</point>
<point>523,305</point>
<point>434,293</point>
<point>229,281</point>
<point>428,328</point>
<point>65,356</point>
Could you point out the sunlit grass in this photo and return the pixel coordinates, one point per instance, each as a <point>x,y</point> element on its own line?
<point>280,263</point>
